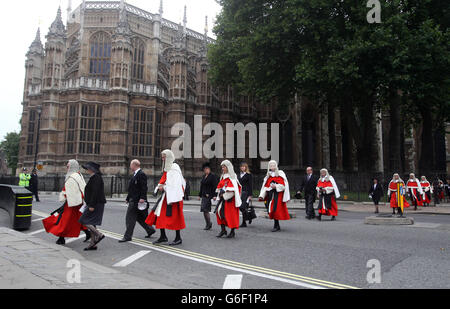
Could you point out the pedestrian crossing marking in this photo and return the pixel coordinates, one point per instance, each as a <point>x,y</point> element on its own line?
<point>232,265</point>
<point>131,259</point>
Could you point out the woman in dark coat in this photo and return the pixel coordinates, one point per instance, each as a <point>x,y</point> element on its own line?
<point>375,193</point>
<point>246,180</point>
<point>95,204</point>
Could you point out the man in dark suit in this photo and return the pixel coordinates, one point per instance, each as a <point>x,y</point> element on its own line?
<point>375,193</point>
<point>137,194</point>
<point>308,186</point>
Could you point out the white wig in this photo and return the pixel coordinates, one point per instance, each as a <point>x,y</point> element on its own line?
<point>74,167</point>
<point>277,170</point>
<point>170,160</point>
<point>230,168</point>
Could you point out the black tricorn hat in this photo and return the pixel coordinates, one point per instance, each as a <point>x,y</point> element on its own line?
<point>92,166</point>
<point>206,165</point>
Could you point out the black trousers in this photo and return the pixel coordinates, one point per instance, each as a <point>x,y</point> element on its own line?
<point>135,215</point>
<point>309,201</point>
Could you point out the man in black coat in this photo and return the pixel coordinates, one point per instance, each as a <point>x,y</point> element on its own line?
<point>34,184</point>
<point>208,188</point>
<point>308,186</point>
<point>137,194</point>
<point>376,193</point>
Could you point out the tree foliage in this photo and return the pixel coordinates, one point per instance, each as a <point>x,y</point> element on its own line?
<point>10,146</point>
<point>328,52</point>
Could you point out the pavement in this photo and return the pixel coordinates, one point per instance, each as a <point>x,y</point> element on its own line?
<point>304,255</point>
<point>27,262</point>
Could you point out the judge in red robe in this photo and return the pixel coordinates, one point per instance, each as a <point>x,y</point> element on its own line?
<point>65,223</point>
<point>168,212</point>
<point>415,191</point>
<point>427,191</point>
<point>228,201</point>
<point>327,192</point>
<point>393,194</point>
<point>276,194</point>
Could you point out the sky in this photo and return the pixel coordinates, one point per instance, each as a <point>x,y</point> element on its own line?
<point>21,18</point>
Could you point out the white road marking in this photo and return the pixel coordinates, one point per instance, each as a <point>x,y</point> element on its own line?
<point>73,240</point>
<point>425,225</point>
<point>234,269</point>
<point>36,220</point>
<point>131,259</point>
<point>233,282</point>
<point>36,232</point>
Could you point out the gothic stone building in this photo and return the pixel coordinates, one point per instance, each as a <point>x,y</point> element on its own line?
<point>109,85</point>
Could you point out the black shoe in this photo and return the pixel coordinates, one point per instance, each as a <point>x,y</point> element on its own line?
<point>308,218</point>
<point>150,234</point>
<point>221,234</point>
<point>319,218</point>
<point>61,241</point>
<point>250,221</point>
<point>88,236</point>
<point>160,241</point>
<point>276,229</point>
<point>176,243</point>
<point>208,227</point>
<point>124,240</point>
<point>91,249</point>
<point>232,235</point>
<point>244,224</point>
<point>333,219</point>
<point>99,240</point>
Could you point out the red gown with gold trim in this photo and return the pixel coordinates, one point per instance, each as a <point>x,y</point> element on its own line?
<point>393,201</point>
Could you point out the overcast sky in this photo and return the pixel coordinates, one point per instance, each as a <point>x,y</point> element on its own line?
<point>20,20</point>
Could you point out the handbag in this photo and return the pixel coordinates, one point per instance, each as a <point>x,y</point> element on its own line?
<point>251,211</point>
<point>60,212</point>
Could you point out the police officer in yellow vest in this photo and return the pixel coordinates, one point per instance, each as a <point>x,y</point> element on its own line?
<point>24,179</point>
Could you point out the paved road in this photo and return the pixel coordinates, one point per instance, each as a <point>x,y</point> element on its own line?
<point>304,255</point>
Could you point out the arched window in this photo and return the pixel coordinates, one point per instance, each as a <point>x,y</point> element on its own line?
<point>137,66</point>
<point>100,55</point>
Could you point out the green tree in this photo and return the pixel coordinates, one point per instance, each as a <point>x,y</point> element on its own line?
<point>10,146</point>
<point>328,52</point>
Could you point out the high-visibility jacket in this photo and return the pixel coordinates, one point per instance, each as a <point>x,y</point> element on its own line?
<point>24,180</point>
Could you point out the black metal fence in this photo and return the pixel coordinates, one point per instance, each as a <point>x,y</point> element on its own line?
<point>353,186</point>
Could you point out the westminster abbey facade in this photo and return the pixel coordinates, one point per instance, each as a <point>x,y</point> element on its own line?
<point>110,83</point>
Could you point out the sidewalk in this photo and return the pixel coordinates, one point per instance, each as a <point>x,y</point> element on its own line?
<point>27,262</point>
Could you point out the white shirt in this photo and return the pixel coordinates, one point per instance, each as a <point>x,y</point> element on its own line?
<point>137,171</point>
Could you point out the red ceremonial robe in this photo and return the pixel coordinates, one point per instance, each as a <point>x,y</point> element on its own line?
<point>323,210</point>
<point>231,218</point>
<point>394,200</point>
<point>69,225</point>
<point>413,188</point>
<point>426,187</point>
<point>174,223</point>
<point>279,211</point>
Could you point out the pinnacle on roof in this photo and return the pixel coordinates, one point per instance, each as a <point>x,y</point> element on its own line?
<point>57,28</point>
<point>36,47</point>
